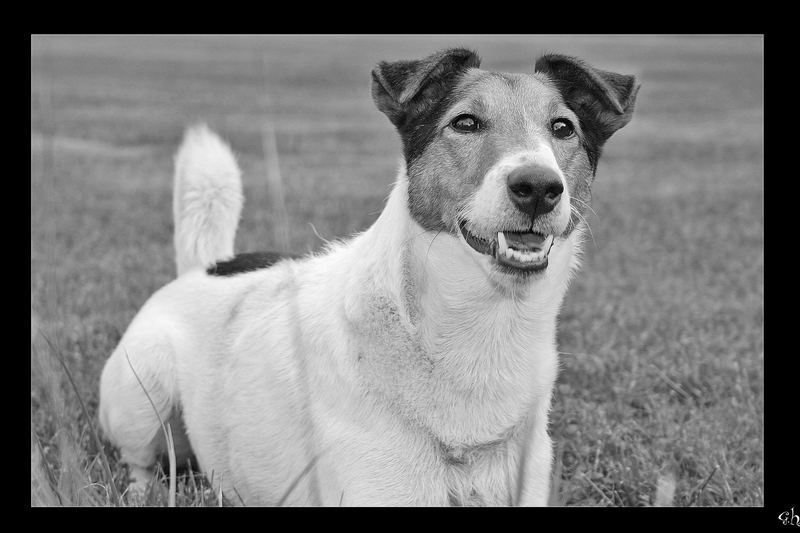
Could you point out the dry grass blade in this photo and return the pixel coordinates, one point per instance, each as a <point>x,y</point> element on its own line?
<point>273,169</point>
<point>192,480</point>
<point>297,480</point>
<point>241,500</point>
<point>598,489</point>
<point>172,466</point>
<point>101,450</point>
<point>167,429</point>
<point>320,237</point>
<point>673,385</point>
<point>39,465</point>
<point>699,489</point>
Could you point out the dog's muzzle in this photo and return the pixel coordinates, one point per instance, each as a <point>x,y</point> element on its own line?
<point>515,250</point>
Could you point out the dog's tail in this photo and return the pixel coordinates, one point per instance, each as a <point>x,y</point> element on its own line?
<point>207,199</point>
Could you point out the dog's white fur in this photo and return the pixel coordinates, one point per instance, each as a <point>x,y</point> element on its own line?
<point>388,370</point>
<point>207,199</point>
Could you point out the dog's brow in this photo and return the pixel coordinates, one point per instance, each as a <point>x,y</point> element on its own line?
<point>475,95</point>
<point>555,108</point>
<point>473,104</point>
<point>476,84</point>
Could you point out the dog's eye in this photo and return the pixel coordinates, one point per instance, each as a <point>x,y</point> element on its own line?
<point>562,128</point>
<point>466,123</point>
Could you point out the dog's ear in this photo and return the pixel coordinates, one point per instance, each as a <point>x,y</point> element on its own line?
<point>602,100</point>
<point>405,89</point>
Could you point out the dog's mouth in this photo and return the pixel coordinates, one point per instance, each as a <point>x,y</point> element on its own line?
<point>524,251</point>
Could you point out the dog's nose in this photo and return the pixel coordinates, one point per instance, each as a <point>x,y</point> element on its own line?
<point>534,189</point>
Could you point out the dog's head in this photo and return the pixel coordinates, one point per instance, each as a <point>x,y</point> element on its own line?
<point>502,161</point>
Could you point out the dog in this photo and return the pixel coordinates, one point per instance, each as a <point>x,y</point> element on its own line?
<point>412,364</point>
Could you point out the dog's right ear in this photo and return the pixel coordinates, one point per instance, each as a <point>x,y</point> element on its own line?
<point>603,100</point>
<point>403,90</point>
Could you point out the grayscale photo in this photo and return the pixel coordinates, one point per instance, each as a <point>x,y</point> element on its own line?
<point>397,270</point>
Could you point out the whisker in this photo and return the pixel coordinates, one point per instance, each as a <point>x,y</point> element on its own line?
<point>429,246</point>
<point>586,222</point>
<point>418,235</point>
<point>587,206</point>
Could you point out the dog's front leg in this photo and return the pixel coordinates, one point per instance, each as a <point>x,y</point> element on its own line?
<point>535,463</point>
<point>536,484</point>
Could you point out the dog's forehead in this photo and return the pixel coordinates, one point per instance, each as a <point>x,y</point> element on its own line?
<point>508,93</point>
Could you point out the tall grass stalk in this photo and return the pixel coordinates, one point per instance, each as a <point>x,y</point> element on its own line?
<point>167,429</point>
<point>67,476</point>
<point>275,183</point>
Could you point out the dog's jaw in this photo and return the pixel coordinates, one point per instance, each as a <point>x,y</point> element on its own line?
<point>517,253</point>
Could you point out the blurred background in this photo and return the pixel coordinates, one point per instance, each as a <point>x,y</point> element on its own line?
<point>660,395</point>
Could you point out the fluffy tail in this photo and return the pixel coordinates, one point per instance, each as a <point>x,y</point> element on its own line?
<point>207,199</point>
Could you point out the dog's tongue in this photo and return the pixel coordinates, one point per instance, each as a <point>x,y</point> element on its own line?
<point>524,241</point>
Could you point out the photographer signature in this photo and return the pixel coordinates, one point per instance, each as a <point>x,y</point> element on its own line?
<point>788,518</point>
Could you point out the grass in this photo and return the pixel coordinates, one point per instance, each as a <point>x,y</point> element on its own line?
<point>661,390</point>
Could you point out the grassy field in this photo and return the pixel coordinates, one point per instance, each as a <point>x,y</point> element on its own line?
<point>662,333</point>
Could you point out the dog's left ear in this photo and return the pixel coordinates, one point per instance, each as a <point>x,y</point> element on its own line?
<point>602,100</point>
<point>403,90</point>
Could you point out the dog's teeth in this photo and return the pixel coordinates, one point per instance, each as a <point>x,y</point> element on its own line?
<point>529,255</point>
<point>502,245</point>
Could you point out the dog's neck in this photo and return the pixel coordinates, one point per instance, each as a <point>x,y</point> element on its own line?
<point>433,316</point>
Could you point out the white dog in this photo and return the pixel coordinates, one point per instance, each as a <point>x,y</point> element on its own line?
<point>410,365</point>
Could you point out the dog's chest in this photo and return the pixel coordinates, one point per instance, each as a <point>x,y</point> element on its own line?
<point>465,384</point>
<point>478,475</point>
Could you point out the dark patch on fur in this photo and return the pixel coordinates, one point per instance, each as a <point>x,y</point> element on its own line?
<point>414,95</point>
<point>602,100</point>
<point>247,262</point>
<point>417,135</point>
<point>406,90</point>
